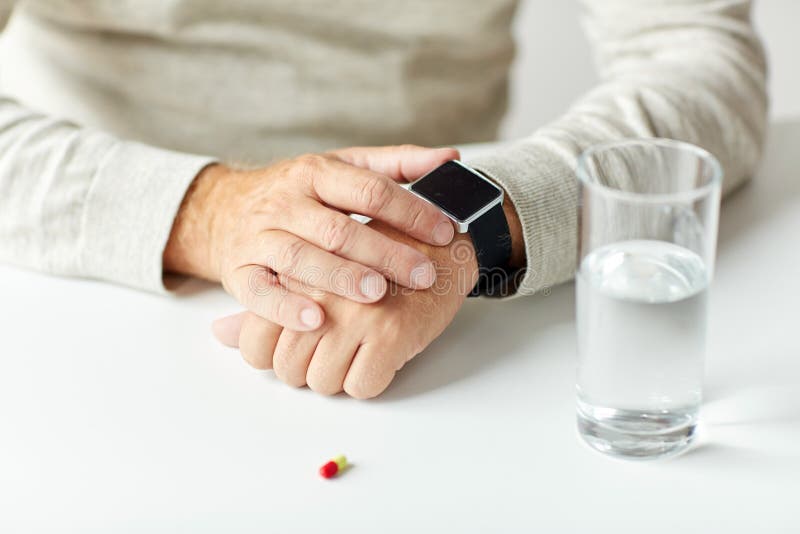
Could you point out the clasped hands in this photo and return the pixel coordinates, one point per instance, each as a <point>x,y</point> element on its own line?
<point>330,303</point>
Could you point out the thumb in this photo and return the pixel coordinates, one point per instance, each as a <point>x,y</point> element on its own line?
<point>403,163</point>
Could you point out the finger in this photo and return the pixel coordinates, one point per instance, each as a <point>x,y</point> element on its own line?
<point>330,362</point>
<point>403,163</point>
<point>370,372</point>
<point>259,290</point>
<point>317,269</point>
<point>226,329</point>
<point>337,233</point>
<point>369,193</point>
<point>257,340</point>
<point>293,354</point>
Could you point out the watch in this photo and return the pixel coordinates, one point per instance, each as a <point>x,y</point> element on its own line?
<point>475,205</point>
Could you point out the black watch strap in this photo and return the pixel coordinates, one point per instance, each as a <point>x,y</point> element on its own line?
<point>492,241</point>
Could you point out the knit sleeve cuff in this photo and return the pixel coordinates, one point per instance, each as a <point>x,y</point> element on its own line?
<point>542,187</point>
<point>131,206</point>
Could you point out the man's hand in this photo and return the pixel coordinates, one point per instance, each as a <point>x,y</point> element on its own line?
<point>360,347</point>
<point>268,232</point>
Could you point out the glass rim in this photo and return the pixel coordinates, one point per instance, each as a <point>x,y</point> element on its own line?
<point>689,194</point>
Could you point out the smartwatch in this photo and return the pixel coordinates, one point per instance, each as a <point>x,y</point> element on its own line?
<point>475,205</point>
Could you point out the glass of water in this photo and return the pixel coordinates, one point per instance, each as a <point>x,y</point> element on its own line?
<point>647,231</point>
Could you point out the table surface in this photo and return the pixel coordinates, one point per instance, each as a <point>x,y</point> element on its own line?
<point>120,413</point>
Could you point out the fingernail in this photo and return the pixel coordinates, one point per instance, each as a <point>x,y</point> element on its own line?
<point>423,275</point>
<point>443,233</point>
<point>373,286</point>
<point>310,317</point>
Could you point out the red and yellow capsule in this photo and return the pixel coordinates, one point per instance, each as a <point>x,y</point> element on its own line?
<point>330,469</point>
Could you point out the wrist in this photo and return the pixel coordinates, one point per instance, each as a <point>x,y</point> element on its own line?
<point>191,246</point>
<point>493,269</point>
<point>518,257</point>
<point>456,264</point>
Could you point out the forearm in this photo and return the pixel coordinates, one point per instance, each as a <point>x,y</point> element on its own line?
<point>79,202</point>
<point>518,256</point>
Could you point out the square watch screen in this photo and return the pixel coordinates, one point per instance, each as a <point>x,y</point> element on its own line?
<point>456,189</point>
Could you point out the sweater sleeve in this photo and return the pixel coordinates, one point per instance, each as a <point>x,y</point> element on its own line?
<point>79,202</point>
<point>692,70</point>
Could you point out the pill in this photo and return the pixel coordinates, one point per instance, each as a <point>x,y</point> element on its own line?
<point>330,469</point>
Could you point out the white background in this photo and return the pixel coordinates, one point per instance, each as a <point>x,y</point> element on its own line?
<point>544,84</point>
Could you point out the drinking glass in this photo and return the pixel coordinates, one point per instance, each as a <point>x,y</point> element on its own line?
<point>648,215</point>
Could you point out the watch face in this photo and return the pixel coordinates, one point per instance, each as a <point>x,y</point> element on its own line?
<point>457,190</point>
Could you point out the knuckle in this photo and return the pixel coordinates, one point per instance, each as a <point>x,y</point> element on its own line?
<point>356,390</point>
<point>294,380</point>
<point>374,194</point>
<point>393,330</point>
<point>282,365</point>
<point>310,166</point>
<point>290,257</point>
<point>337,234</point>
<point>257,359</point>
<point>342,279</point>
<point>394,265</point>
<point>280,311</point>
<point>362,390</point>
<point>367,385</point>
<point>416,218</point>
<point>322,385</point>
<point>287,363</point>
<point>259,284</point>
<point>280,202</point>
<point>401,261</point>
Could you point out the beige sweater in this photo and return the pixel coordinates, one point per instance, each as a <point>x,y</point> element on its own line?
<point>105,101</point>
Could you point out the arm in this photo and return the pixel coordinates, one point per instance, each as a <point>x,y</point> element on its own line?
<point>691,70</point>
<point>75,201</point>
<point>78,202</point>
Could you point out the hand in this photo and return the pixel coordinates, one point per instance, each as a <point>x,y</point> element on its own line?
<point>360,347</point>
<point>261,231</point>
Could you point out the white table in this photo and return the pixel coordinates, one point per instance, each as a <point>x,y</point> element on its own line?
<point>120,413</point>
